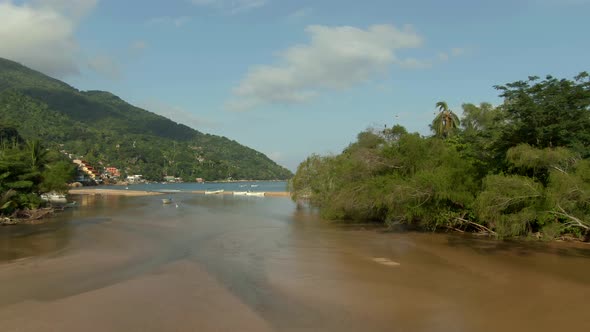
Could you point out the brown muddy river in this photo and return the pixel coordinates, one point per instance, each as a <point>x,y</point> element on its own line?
<point>223,263</point>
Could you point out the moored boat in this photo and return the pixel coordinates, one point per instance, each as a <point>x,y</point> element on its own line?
<point>240,193</point>
<point>256,194</point>
<point>54,198</point>
<point>166,200</point>
<point>213,192</point>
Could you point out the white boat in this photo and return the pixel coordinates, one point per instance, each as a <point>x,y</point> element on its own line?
<point>54,198</point>
<point>166,200</point>
<point>213,192</point>
<point>71,204</point>
<point>253,185</point>
<point>240,193</point>
<point>257,194</point>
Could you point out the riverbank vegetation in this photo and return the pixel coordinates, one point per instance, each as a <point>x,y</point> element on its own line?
<point>518,169</point>
<point>27,169</point>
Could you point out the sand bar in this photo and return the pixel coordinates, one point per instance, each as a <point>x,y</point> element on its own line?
<point>112,192</point>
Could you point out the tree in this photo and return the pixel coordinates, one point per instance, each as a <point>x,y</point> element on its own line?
<point>509,204</point>
<point>28,169</point>
<point>566,181</point>
<point>548,113</point>
<point>36,154</point>
<point>446,121</point>
<point>518,169</point>
<point>55,176</point>
<point>477,119</point>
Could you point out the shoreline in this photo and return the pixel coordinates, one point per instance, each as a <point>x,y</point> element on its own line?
<point>125,192</point>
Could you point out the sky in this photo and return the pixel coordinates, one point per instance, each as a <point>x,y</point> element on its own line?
<point>291,78</point>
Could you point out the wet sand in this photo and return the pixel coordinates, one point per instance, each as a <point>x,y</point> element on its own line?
<point>224,263</point>
<point>176,297</point>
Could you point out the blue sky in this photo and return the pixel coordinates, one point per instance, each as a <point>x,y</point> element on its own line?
<point>291,78</point>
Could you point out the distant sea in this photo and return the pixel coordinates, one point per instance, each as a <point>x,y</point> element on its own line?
<point>266,186</point>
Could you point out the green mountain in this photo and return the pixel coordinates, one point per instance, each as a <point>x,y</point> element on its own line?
<point>107,131</point>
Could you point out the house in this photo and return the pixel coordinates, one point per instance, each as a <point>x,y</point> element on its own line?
<point>135,178</point>
<point>87,169</point>
<point>170,178</point>
<point>112,171</point>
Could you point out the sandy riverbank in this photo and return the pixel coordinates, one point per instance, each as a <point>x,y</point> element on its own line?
<point>253,265</point>
<point>117,192</point>
<point>112,192</point>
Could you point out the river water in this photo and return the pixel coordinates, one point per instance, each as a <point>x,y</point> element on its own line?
<point>224,263</point>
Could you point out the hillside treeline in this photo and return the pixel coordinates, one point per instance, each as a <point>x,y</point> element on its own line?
<point>519,169</point>
<point>104,130</point>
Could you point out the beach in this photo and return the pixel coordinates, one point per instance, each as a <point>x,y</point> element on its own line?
<point>111,192</point>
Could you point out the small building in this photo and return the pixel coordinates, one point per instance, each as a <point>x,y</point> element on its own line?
<point>135,178</point>
<point>112,171</point>
<point>172,179</point>
<point>85,168</point>
<point>200,180</point>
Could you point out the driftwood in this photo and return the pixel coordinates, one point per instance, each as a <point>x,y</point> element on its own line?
<point>481,228</point>
<point>26,215</point>
<point>8,221</point>
<point>35,214</point>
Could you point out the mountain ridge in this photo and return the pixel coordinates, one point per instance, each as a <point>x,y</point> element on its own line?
<point>106,129</point>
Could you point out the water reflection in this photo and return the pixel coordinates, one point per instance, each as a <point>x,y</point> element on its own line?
<point>486,246</point>
<point>53,234</point>
<point>20,241</point>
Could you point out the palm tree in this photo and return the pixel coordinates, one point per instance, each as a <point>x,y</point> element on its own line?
<point>36,154</point>
<point>445,122</point>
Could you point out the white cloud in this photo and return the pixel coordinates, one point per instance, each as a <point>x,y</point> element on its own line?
<point>74,9</point>
<point>442,56</point>
<point>300,13</point>
<point>167,20</point>
<point>335,58</point>
<point>452,53</point>
<point>457,51</point>
<point>138,45</point>
<point>560,2</point>
<point>40,33</point>
<point>231,6</point>
<point>413,63</point>
<point>106,66</point>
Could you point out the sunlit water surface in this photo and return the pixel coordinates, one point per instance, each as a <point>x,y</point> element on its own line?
<point>225,263</point>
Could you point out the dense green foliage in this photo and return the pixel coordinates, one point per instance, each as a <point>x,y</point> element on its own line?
<point>518,169</point>
<point>107,131</point>
<point>27,169</point>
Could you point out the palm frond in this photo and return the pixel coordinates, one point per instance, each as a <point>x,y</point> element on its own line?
<point>442,106</point>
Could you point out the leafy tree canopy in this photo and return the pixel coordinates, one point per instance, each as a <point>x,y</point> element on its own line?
<point>519,169</point>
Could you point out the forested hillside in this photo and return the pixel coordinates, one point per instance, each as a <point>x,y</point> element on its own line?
<point>519,169</point>
<point>107,131</point>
